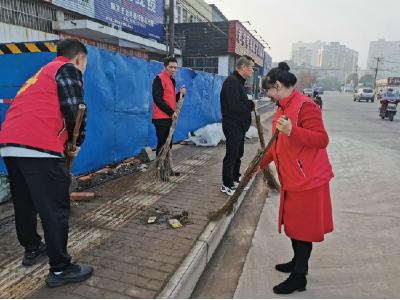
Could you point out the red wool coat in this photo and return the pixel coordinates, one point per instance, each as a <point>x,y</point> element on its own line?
<point>303,169</point>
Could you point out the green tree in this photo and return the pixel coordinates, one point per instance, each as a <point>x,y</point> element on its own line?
<point>328,83</point>
<point>367,78</point>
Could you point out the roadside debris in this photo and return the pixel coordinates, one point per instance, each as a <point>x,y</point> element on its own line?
<point>174,223</point>
<point>81,196</point>
<point>164,215</point>
<point>211,135</point>
<point>129,165</point>
<point>151,220</point>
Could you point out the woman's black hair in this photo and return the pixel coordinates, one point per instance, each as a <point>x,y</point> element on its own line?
<point>281,74</point>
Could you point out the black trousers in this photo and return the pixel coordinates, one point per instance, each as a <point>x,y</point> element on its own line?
<point>41,185</point>
<point>234,153</point>
<point>162,133</point>
<point>302,252</point>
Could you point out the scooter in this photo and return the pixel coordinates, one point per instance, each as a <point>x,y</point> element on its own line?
<point>388,108</point>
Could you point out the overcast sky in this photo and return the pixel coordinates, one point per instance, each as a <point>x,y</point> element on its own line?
<point>353,23</point>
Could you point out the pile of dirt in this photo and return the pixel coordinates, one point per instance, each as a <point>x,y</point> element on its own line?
<point>128,166</point>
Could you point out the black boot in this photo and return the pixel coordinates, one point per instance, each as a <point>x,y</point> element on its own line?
<point>295,282</point>
<point>288,267</point>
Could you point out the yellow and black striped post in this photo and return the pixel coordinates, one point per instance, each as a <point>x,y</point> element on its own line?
<point>16,48</point>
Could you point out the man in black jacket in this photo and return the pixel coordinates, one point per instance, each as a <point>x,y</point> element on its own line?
<point>236,119</point>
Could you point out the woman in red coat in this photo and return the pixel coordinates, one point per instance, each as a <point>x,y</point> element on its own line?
<point>304,171</point>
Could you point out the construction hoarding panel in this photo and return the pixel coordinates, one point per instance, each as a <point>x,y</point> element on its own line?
<point>119,102</point>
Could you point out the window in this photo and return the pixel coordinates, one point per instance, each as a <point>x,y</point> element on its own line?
<point>184,15</point>
<point>204,64</point>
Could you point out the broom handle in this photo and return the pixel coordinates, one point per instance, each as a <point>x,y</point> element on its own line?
<point>259,129</point>
<point>78,123</point>
<point>256,162</point>
<point>75,135</point>
<point>174,121</point>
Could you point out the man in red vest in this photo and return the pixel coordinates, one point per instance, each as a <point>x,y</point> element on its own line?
<point>38,125</point>
<point>165,98</point>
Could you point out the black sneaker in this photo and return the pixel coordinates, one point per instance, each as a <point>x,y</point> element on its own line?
<point>32,257</point>
<point>228,190</point>
<point>172,173</point>
<point>74,273</point>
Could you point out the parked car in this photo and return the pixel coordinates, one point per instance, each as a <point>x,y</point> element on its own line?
<point>320,90</point>
<point>364,94</point>
<point>308,92</point>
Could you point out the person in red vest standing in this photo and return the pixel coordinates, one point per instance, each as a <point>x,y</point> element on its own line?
<point>164,106</point>
<point>304,171</point>
<point>33,137</point>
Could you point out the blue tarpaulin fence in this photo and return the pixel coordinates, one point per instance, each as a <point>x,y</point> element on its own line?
<point>119,102</point>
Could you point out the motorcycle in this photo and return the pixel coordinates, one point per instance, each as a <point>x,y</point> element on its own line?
<point>388,108</point>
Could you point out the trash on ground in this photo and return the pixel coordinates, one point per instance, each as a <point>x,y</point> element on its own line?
<point>207,136</point>
<point>162,220</point>
<point>212,134</point>
<point>151,220</point>
<point>185,217</point>
<point>174,223</point>
<point>252,132</point>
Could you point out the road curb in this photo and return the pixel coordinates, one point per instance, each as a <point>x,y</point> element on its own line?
<point>184,280</point>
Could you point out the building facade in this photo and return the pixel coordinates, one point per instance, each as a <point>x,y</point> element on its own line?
<point>301,55</point>
<point>389,54</point>
<point>339,58</point>
<point>130,27</point>
<point>314,47</point>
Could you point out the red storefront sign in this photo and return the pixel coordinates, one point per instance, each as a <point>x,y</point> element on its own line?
<point>242,42</point>
<point>106,46</point>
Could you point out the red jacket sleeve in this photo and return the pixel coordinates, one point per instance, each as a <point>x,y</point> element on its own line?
<point>267,159</point>
<point>310,131</point>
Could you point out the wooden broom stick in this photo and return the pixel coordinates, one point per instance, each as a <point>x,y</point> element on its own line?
<point>71,146</point>
<point>268,175</point>
<point>229,205</point>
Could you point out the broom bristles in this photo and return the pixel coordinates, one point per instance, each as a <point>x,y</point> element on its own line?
<point>160,169</point>
<point>230,204</point>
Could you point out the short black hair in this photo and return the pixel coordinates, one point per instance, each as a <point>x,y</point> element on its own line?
<point>244,60</point>
<point>169,60</point>
<point>70,48</point>
<point>281,74</point>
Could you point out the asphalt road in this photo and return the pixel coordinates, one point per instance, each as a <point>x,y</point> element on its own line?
<point>360,259</point>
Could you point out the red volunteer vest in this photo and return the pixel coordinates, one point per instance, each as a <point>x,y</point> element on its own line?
<point>299,168</point>
<point>34,118</point>
<point>169,96</point>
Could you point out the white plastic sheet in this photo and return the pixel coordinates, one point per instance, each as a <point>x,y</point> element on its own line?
<point>212,134</point>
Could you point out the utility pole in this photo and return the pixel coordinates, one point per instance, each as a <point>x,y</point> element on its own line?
<point>171,28</point>
<point>376,70</point>
<point>356,78</point>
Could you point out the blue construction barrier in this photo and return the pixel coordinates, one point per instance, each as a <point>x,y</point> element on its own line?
<point>119,102</point>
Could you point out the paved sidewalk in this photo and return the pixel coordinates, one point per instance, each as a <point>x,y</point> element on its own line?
<point>131,258</point>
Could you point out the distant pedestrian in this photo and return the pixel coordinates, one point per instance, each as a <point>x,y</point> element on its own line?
<point>304,171</point>
<point>236,119</point>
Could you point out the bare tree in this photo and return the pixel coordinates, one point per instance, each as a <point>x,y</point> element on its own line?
<point>305,80</point>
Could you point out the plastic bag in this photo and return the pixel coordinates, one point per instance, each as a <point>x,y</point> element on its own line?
<point>209,135</point>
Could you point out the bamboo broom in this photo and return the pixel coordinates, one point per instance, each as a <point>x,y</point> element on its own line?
<point>269,177</point>
<point>160,170</point>
<point>230,204</point>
